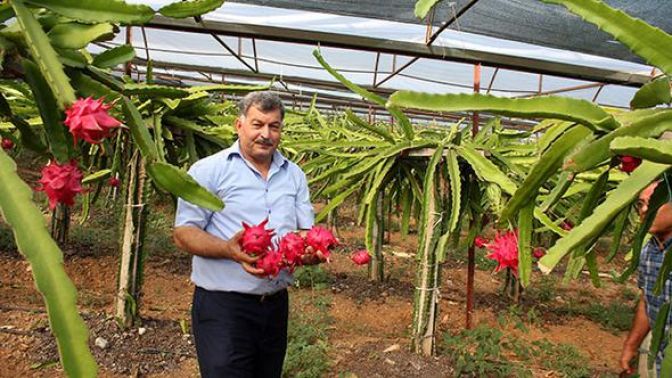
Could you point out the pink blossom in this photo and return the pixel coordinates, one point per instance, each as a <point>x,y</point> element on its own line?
<point>538,253</point>
<point>88,119</point>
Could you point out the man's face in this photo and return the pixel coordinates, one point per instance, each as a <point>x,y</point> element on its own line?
<point>259,133</point>
<point>662,224</point>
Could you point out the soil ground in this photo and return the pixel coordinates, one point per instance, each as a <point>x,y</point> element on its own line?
<point>368,332</point>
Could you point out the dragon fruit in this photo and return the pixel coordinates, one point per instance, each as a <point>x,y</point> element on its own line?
<point>480,242</point>
<point>256,240</point>
<point>88,119</point>
<point>292,248</point>
<point>270,263</point>
<point>321,239</point>
<point>538,253</point>
<point>566,225</point>
<point>361,257</point>
<point>7,144</point>
<point>61,183</point>
<point>113,182</point>
<point>629,163</point>
<point>504,250</point>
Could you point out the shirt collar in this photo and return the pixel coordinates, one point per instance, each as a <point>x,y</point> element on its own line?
<point>278,159</point>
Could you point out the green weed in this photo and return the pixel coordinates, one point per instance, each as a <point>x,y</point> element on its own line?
<point>311,276</point>
<point>614,317</point>
<point>487,352</point>
<point>307,338</point>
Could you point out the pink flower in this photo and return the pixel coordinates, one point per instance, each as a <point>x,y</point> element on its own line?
<point>480,241</point>
<point>88,119</point>
<point>7,144</point>
<point>504,250</point>
<point>361,257</point>
<point>629,163</point>
<point>113,182</point>
<point>61,183</point>
<point>538,253</point>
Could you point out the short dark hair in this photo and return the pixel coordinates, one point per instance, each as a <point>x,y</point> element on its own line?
<point>266,101</point>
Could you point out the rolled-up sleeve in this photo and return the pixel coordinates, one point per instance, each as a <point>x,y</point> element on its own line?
<point>187,213</point>
<point>305,217</point>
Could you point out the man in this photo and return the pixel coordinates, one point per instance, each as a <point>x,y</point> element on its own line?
<point>239,316</point>
<point>651,260</point>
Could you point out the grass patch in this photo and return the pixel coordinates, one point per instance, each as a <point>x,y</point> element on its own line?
<point>307,345</point>
<point>311,276</point>
<point>614,317</point>
<point>487,352</point>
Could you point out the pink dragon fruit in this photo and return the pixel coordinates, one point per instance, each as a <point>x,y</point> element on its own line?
<point>292,248</point>
<point>61,183</point>
<point>256,240</point>
<point>480,242</point>
<point>321,239</point>
<point>270,263</point>
<point>629,163</point>
<point>88,119</point>
<point>113,182</point>
<point>504,250</point>
<point>538,253</point>
<point>7,144</point>
<point>361,257</point>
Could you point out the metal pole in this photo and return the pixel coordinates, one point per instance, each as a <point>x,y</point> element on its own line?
<point>471,264</point>
<point>127,66</point>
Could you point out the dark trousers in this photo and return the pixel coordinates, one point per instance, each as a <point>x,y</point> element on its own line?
<point>239,335</point>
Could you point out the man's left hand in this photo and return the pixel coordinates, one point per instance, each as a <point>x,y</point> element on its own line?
<point>312,257</point>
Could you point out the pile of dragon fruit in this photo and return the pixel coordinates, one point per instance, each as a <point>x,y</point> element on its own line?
<point>290,251</point>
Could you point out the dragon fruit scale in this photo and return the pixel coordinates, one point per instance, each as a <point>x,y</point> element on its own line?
<point>256,240</point>
<point>361,257</point>
<point>270,263</point>
<point>292,248</point>
<point>321,239</point>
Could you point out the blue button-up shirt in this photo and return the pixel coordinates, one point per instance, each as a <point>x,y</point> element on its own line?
<point>283,198</point>
<point>650,262</point>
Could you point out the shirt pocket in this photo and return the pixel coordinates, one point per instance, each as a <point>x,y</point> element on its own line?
<point>284,210</point>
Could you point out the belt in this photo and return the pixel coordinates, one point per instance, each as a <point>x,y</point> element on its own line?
<point>255,297</point>
<point>262,297</point>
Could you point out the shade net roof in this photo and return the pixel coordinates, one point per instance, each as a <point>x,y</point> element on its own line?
<point>183,56</point>
<point>529,21</point>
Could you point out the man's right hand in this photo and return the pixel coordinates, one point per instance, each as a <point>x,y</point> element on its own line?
<point>628,354</point>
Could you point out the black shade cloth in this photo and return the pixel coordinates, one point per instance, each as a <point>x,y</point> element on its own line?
<point>529,21</point>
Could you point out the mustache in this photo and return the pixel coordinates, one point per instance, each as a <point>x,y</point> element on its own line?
<point>264,141</point>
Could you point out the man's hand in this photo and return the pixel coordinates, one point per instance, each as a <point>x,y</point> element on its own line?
<point>235,253</point>
<point>628,354</point>
<point>311,257</point>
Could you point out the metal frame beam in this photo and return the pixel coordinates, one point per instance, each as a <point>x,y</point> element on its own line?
<point>413,49</point>
<point>456,16</point>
